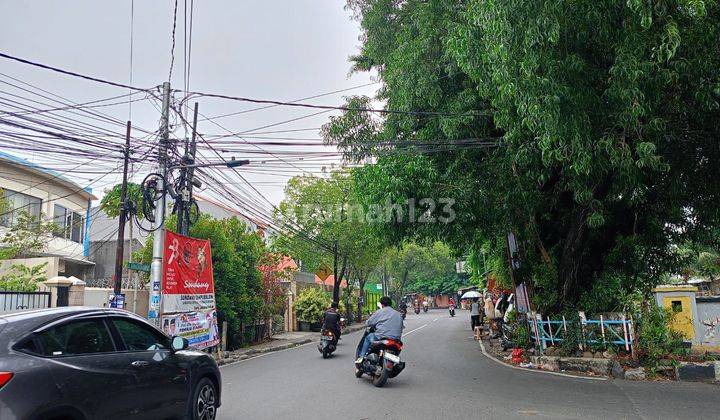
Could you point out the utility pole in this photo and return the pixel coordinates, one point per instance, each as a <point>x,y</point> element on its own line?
<point>158,235</point>
<point>187,180</point>
<point>117,277</point>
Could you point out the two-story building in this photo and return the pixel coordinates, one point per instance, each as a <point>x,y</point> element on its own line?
<point>48,195</point>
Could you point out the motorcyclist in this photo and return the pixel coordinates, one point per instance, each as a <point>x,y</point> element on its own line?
<point>386,322</point>
<point>451,302</point>
<point>331,321</point>
<point>403,307</point>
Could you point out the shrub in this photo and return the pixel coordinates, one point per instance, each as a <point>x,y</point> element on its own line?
<point>522,336</point>
<point>311,303</point>
<point>570,346</point>
<point>656,340</point>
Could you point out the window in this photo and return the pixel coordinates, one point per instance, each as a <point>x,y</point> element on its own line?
<point>19,203</point>
<point>676,306</point>
<point>139,337</point>
<point>74,338</point>
<point>70,224</point>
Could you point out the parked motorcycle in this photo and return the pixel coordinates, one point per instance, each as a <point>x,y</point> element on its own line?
<point>451,308</point>
<point>382,361</point>
<point>328,343</point>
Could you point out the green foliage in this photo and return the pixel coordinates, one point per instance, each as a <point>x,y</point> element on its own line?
<point>434,273</point>
<point>110,203</point>
<point>521,336</point>
<point>22,278</point>
<point>311,304</point>
<point>28,235</point>
<point>236,255</point>
<point>605,118</point>
<point>656,340</point>
<point>572,338</point>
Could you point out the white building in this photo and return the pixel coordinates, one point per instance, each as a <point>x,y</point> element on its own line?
<point>41,192</point>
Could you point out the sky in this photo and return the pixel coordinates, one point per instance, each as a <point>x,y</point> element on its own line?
<point>280,50</point>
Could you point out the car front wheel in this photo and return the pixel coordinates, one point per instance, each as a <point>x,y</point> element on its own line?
<point>205,400</point>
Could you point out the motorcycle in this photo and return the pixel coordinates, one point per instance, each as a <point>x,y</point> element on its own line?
<point>417,310</point>
<point>425,309</point>
<point>403,312</point>
<point>451,308</point>
<point>328,344</point>
<point>382,361</point>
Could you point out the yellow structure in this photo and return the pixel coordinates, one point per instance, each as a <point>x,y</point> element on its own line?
<point>680,300</point>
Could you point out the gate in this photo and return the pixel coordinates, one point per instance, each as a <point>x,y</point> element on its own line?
<point>15,301</point>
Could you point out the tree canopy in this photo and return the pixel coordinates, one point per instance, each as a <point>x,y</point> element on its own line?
<point>594,125</point>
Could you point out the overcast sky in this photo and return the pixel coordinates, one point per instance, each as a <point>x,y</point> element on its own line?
<point>282,50</point>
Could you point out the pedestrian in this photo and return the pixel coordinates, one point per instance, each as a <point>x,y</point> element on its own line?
<point>474,314</point>
<point>489,310</point>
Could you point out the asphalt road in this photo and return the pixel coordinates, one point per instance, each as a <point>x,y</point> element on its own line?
<point>446,376</point>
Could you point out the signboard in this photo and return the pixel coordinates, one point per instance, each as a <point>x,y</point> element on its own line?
<point>522,302</point>
<point>188,283</point>
<point>323,273</point>
<point>199,328</point>
<point>116,301</point>
<point>138,267</point>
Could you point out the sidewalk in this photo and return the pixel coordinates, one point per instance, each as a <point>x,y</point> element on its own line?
<point>278,342</point>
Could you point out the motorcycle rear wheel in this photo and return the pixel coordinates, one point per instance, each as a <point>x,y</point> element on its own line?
<point>379,380</point>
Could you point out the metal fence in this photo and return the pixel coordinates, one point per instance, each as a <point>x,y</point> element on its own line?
<point>593,331</point>
<point>16,301</point>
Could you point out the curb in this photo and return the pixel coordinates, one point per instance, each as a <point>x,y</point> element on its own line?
<point>253,353</point>
<point>565,375</point>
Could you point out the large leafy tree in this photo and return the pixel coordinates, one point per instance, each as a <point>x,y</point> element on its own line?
<point>604,117</point>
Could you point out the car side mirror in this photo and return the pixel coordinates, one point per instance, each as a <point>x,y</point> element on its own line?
<point>179,343</point>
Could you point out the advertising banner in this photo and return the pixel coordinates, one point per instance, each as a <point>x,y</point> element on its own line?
<point>199,328</point>
<point>188,284</point>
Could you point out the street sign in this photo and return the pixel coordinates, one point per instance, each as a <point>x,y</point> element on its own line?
<point>323,273</point>
<point>139,267</point>
<point>117,300</point>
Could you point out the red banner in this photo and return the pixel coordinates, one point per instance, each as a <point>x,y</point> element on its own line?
<point>188,283</point>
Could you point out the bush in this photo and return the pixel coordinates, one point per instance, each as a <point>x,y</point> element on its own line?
<point>311,304</point>
<point>656,340</point>
<point>570,346</point>
<point>521,336</point>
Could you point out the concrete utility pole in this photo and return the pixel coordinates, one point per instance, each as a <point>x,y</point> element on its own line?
<point>158,235</point>
<point>187,180</point>
<point>117,277</point>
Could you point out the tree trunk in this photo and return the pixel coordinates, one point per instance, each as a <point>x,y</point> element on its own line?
<point>361,283</point>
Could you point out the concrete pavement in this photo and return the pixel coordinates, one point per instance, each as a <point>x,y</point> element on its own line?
<point>446,376</point>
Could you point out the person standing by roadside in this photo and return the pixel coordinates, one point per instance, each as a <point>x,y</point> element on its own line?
<point>474,314</point>
<point>489,310</point>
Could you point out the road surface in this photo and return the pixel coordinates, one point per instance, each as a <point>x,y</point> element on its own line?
<point>446,376</point>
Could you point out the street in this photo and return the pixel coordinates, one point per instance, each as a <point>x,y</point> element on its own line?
<point>446,376</point>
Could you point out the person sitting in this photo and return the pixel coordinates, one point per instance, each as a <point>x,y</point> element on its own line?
<point>386,322</point>
<point>331,321</point>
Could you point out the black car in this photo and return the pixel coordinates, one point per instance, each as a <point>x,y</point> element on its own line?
<point>90,363</point>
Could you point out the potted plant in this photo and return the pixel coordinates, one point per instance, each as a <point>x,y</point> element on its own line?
<point>309,307</point>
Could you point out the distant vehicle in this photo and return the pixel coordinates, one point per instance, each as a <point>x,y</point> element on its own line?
<point>328,343</point>
<point>451,308</point>
<point>88,363</point>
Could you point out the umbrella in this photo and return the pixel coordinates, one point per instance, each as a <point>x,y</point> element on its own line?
<point>470,295</point>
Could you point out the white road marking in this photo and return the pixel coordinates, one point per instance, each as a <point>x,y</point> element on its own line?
<point>265,354</point>
<point>418,328</point>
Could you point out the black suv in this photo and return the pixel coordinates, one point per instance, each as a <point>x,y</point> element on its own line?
<point>90,363</point>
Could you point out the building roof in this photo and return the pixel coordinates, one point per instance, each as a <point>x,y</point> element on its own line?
<point>86,192</point>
